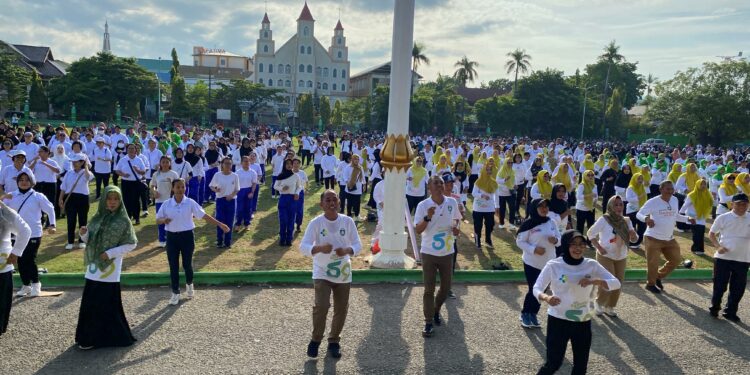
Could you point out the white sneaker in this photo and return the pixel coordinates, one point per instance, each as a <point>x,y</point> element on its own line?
<point>679,230</point>
<point>175,299</point>
<point>190,291</point>
<point>599,309</point>
<point>69,246</point>
<point>81,245</point>
<point>162,244</point>
<point>512,227</point>
<point>36,289</point>
<point>501,226</point>
<point>24,291</point>
<point>610,311</point>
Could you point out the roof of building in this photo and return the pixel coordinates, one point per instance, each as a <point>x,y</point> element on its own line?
<point>305,15</point>
<point>384,68</point>
<point>265,18</point>
<point>189,71</point>
<point>339,26</point>
<point>472,94</point>
<point>38,58</point>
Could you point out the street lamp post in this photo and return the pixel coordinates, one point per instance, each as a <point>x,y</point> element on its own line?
<point>158,85</point>
<point>583,118</point>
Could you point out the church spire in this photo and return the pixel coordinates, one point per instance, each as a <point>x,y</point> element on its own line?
<point>106,47</point>
<point>305,15</point>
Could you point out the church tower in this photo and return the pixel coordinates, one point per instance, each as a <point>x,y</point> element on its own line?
<point>105,46</point>
<point>305,24</point>
<point>338,50</point>
<point>265,44</point>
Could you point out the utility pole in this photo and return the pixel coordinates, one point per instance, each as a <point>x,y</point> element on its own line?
<point>208,105</point>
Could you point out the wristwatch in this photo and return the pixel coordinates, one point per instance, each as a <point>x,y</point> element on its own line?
<point>427,219</point>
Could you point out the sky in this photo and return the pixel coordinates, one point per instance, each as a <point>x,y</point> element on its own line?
<point>662,36</point>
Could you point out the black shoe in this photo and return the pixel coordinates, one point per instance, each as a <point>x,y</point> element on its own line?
<point>312,349</point>
<point>714,312</point>
<point>219,246</point>
<point>427,332</point>
<point>659,284</point>
<point>731,317</point>
<point>488,242</point>
<point>436,319</point>
<point>334,349</point>
<point>476,241</point>
<point>653,289</point>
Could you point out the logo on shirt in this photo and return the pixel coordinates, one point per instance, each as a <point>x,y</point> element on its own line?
<point>324,232</point>
<point>342,232</point>
<point>563,279</point>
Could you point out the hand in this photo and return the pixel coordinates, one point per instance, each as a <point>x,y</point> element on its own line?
<point>224,228</point>
<point>650,222</point>
<point>539,250</point>
<point>553,300</point>
<point>633,237</point>
<point>691,220</point>
<point>343,252</point>
<point>285,188</point>
<point>12,259</point>
<point>7,196</point>
<point>430,212</point>
<point>723,250</point>
<point>167,220</point>
<point>61,203</point>
<point>586,282</point>
<point>83,230</point>
<point>296,197</point>
<point>456,231</point>
<point>52,230</point>
<point>250,195</point>
<point>157,195</point>
<point>601,251</point>
<point>103,256</point>
<point>325,249</point>
<point>552,240</point>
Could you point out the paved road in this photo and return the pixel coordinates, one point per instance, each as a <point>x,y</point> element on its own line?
<point>253,329</point>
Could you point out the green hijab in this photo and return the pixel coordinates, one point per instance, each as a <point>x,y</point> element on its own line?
<point>719,175</point>
<point>107,230</point>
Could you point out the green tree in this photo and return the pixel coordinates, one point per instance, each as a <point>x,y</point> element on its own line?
<point>175,70</point>
<point>197,100</point>
<point>500,113</point>
<point>255,93</point>
<point>420,111</point>
<point>466,71</point>
<point>614,110</point>
<point>502,84</point>
<point>418,57</point>
<point>38,101</point>
<point>518,61</point>
<point>337,117</point>
<point>324,110</point>
<point>379,107</point>
<point>96,83</point>
<point>548,105</point>
<point>710,103</point>
<point>179,106</point>
<point>13,80</point>
<point>306,110</point>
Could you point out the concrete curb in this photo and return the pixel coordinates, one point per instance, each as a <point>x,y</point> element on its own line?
<point>305,277</point>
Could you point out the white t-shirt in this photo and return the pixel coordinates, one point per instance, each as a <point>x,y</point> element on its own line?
<point>528,241</point>
<point>181,214</point>
<point>18,227</point>
<point>162,181</point>
<point>110,274</point>
<point>227,184</point>
<point>608,238</point>
<point>247,177</point>
<point>328,163</point>
<point>415,188</point>
<point>484,201</point>
<point>438,238</point>
<point>734,234</point>
<point>302,180</point>
<point>665,216</point>
<point>340,233</point>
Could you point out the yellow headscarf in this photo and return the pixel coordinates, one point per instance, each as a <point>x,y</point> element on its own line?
<point>612,165</point>
<point>486,180</point>
<point>729,187</point>
<point>588,188</point>
<point>702,199</point>
<point>691,177</point>
<point>417,172</point>
<point>562,177</point>
<point>588,163</point>
<point>646,173</point>
<point>740,182</point>
<point>508,174</point>
<point>442,164</point>
<point>600,161</point>
<point>675,173</point>
<point>365,159</point>
<point>436,156</point>
<point>639,189</point>
<point>633,167</point>
<point>544,187</point>
<point>482,158</point>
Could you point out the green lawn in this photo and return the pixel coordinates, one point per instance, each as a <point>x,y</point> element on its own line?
<point>257,249</point>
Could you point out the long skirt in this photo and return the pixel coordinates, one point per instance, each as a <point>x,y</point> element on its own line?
<point>101,321</point>
<point>6,299</point>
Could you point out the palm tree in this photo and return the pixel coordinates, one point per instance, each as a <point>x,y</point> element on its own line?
<point>519,60</point>
<point>466,71</point>
<point>650,80</point>
<point>418,57</point>
<point>611,55</point>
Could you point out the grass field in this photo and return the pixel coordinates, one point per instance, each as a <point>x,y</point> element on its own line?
<point>257,247</point>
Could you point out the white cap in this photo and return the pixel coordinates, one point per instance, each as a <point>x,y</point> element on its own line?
<point>15,153</point>
<point>98,139</point>
<point>76,157</point>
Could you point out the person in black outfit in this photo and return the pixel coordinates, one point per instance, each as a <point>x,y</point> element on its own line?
<point>608,182</point>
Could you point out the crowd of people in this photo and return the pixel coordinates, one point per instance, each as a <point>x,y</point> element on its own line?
<point>545,192</point>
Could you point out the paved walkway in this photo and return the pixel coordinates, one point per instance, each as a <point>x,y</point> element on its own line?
<point>254,329</point>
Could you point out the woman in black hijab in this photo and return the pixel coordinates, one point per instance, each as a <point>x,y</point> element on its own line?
<point>622,182</point>
<point>558,205</point>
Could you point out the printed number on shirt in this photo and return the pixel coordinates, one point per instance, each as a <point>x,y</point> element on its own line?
<point>336,270</point>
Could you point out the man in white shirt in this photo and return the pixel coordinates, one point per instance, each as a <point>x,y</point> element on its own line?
<point>29,147</point>
<point>732,259</point>
<point>661,214</point>
<point>330,239</point>
<point>436,220</point>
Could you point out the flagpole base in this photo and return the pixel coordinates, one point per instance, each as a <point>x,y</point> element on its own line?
<point>391,255</point>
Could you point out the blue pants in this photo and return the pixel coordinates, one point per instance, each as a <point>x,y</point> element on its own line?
<point>244,208</point>
<point>299,207</point>
<point>208,193</point>
<point>273,182</point>
<point>254,201</point>
<point>262,176</point>
<point>180,243</point>
<point>194,190</point>
<point>225,214</point>
<point>286,217</point>
<point>162,231</point>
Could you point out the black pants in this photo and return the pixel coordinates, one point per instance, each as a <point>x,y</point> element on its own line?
<point>680,201</point>
<point>531,304</point>
<point>306,157</point>
<point>653,190</point>
<point>559,332</point>
<point>472,179</point>
<point>330,183</point>
<point>572,199</point>
<point>49,190</point>
<point>77,208</point>
<point>733,273</point>
<point>145,198</point>
<point>318,173</point>
<point>371,202</point>
<point>510,203</point>
<point>605,199</point>
<point>584,218</point>
<point>353,202</point>
<point>486,218</point>
<point>180,244</point>
<point>101,320</point>
<point>639,226</point>
<point>343,198</point>
<point>518,195</point>
<point>102,180</point>
<point>131,194</point>
<point>698,238</point>
<point>27,267</point>
<point>6,299</point>
<point>412,202</point>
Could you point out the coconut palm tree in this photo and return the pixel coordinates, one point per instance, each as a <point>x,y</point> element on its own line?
<point>418,57</point>
<point>612,56</point>
<point>519,60</point>
<point>466,71</point>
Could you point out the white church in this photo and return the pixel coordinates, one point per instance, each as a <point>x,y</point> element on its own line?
<point>303,64</point>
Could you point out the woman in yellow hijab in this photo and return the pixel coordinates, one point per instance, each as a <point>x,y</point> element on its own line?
<point>743,183</point>
<point>506,179</point>
<point>588,164</point>
<point>542,188</point>
<point>698,205</point>
<point>727,190</point>
<point>483,207</point>
<point>562,177</point>
<point>636,195</point>
<point>686,182</point>
<point>436,156</point>
<point>442,166</point>
<point>675,173</point>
